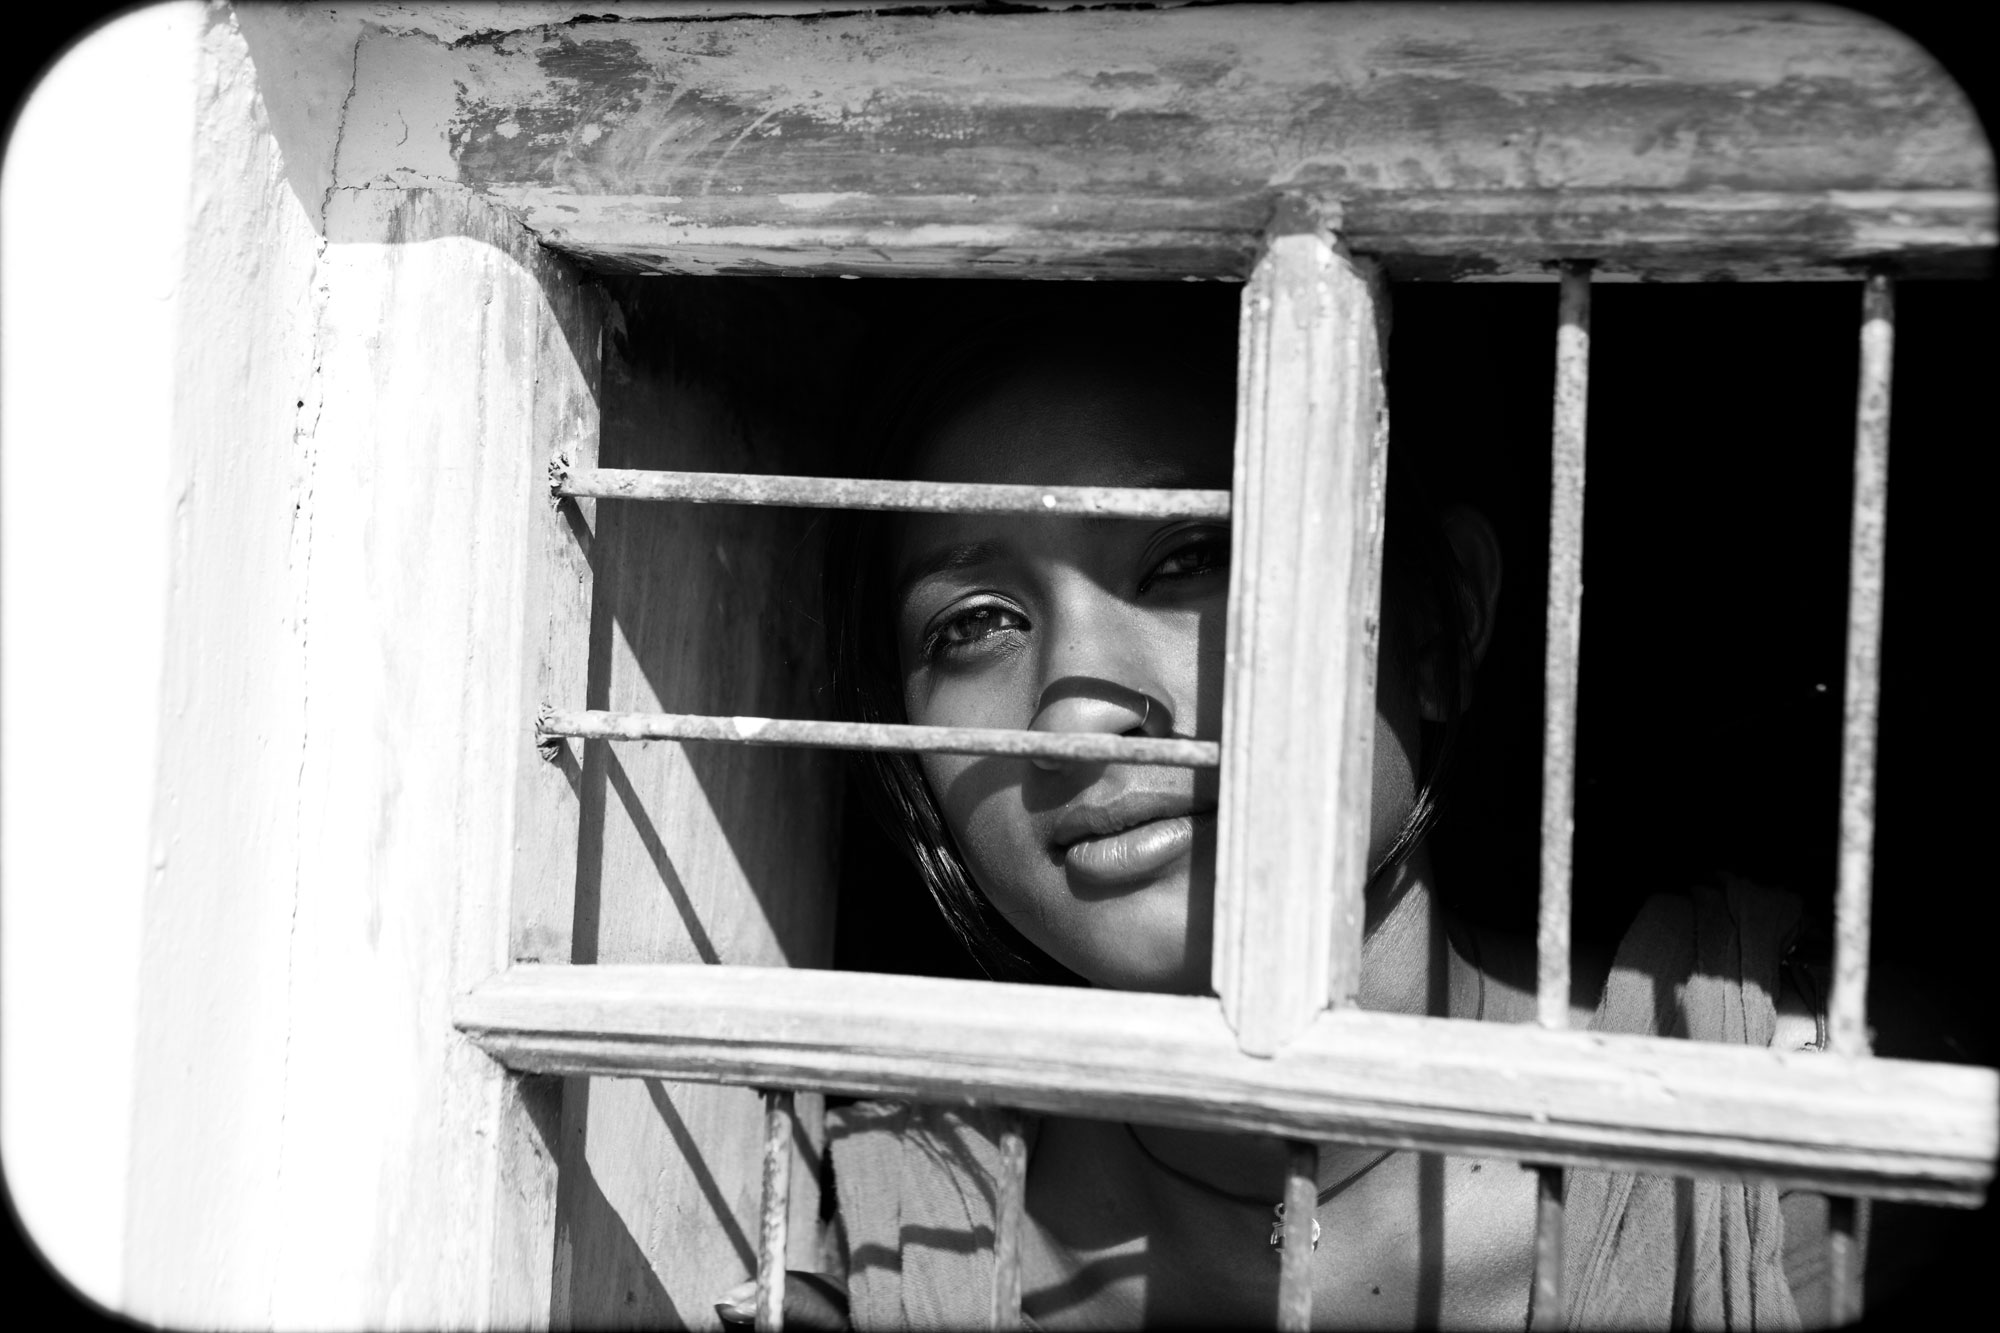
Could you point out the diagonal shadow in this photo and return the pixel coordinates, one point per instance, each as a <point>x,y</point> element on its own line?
<point>715,603</point>
<point>1091,1279</point>
<point>603,1276</point>
<point>691,1154</point>
<point>642,824</point>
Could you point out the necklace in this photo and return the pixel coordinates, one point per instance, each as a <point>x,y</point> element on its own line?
<point>1251,1200</point>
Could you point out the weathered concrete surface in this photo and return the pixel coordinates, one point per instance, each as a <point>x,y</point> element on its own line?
<point>356,455</point>
<point>1669,139</point>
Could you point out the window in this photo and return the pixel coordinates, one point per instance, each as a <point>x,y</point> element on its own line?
<point>846,163</point>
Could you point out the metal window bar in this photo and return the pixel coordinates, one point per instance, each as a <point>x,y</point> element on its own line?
<point>780,1122</point>
<point>1078,747</point>
<point>1848,1025</point>
<point>908,496</point>
<point>924,497</point>
<point>1564,638</point>
<point>1009,1208</point>
<point>1295,1290</point>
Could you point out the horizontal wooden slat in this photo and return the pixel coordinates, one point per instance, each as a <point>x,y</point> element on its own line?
<point>1685,140</point>
<point>1883,1128</point>
<point>934,497</point>
<point>1075,747</point>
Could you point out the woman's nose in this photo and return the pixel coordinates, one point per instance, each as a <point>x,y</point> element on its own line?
<point>1097,707</point>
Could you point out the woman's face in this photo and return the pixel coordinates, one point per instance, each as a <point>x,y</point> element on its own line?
<point>1082,625</point>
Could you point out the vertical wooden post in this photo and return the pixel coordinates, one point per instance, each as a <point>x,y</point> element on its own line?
<point>776,1213</point>
<point>1008,1212</point>
<point>1564,640</point>
<point>1848,1021</point>
<point>1299,696</point>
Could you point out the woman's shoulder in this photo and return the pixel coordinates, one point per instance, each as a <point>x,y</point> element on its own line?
<point>1505,963</point>
<point>896,1159</point>
<point>917,1186</point>
<point>1718,962</point>
<point>970,1134</point>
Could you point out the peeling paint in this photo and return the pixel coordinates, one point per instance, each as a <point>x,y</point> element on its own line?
<point>1089,119</point>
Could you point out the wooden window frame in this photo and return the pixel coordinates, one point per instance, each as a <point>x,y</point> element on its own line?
<point>1280,1049</point>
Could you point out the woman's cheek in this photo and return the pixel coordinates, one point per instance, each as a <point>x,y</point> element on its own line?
<point>990,829</point>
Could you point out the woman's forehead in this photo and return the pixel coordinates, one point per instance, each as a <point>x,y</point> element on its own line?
<point>1055,426</point>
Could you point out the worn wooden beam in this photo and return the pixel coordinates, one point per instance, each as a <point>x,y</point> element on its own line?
<point>1665,141</point>
<point>1298,710</point>
<point>1858,1125</point>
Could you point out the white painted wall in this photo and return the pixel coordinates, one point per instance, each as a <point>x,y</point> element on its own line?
<point>313,423</point>
<point>355,461</point>
<point>89,298</point>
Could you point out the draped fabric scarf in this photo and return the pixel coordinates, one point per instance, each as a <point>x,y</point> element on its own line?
<point>916,1184</point>
<point>1654,1252</point>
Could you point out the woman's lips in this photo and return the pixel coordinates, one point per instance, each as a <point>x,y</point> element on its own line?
<point>1135,853</point>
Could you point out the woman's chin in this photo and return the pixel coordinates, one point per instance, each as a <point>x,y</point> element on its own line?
<point>1154,937</point>
<point>1181,977</point>
<point>1153,934</point>
<point>1166,962</point>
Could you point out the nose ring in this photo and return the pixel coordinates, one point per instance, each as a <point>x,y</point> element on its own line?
<point>1143,717</point>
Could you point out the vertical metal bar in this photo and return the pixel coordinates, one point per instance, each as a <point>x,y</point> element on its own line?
<point>1008,1210</point>
<point>1565,628</point>
<point>1295,1269</point>
<point>1844,1260</point>
<point>1545,1303</point>
<point>1849,1018</point>
<point>771,1237</point>
<point>1565,624</point>
<point>1848,1021</point>
<point>1305,596</point>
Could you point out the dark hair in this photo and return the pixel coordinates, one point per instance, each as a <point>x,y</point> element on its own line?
<point>1420,574</point>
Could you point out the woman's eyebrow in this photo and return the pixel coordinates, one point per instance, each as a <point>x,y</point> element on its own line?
<point>944,559</point>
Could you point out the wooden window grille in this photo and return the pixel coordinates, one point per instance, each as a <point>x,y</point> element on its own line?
<point>1281,1048</point>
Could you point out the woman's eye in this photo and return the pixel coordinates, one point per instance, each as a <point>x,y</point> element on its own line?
<point>1205,556</point>
<point>969,627</point>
